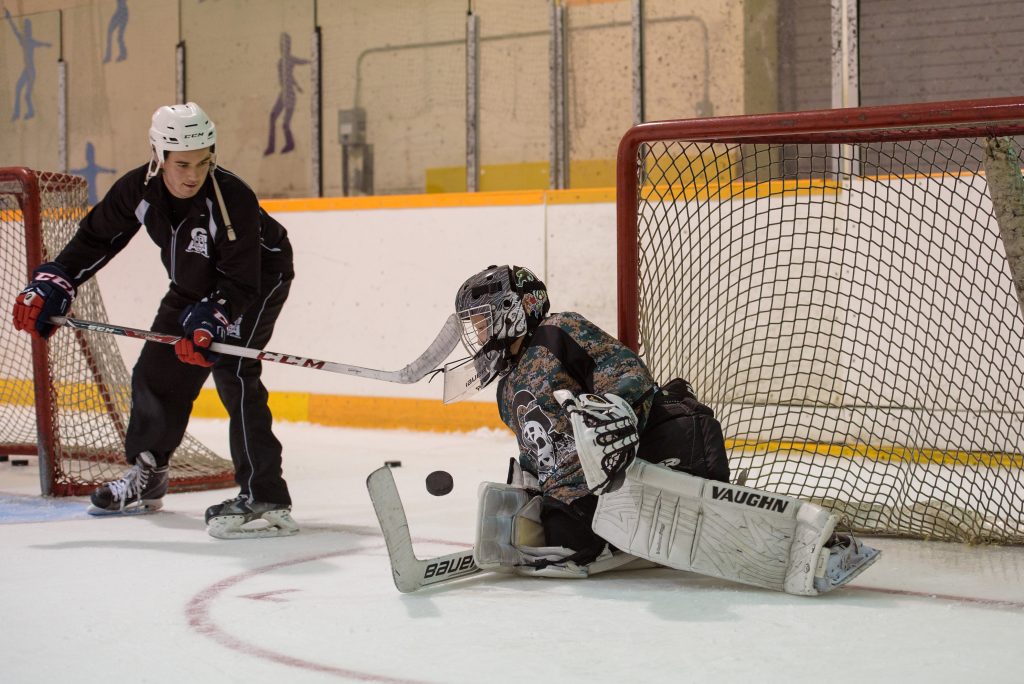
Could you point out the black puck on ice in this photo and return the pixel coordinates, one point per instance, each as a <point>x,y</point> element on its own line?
<point>393,464</point>
<point>439,483</point>
<point>19,461</point>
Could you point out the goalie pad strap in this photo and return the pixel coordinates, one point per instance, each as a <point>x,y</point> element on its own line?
<point>716,529</point>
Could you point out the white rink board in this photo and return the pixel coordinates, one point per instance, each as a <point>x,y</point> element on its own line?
<point>373,287</point>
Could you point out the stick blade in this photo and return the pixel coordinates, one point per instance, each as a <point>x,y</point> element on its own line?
<point>436,353</point>
<point>395,526</point>
<point>409,572</point>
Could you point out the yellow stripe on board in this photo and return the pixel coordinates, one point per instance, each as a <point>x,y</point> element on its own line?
<point>367,412</point>
<point>514,198</point>
<point>433,416</point>
<point>721,192</point>
<point>71,396</point>
<point>454,199</point>
<point>950,457</point>
<point>506,198</point>
<point>17,391</point>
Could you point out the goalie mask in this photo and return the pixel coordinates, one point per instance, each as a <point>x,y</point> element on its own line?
<point>497,307</point>
<point>178,128</point>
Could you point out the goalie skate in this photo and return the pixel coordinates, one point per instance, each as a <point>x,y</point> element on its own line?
<point>847,558</point>
<point>240,518</point>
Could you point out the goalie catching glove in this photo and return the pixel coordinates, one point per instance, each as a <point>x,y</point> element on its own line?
<point>49,294</point>
<point>605,429</point>
<point>203,323</point>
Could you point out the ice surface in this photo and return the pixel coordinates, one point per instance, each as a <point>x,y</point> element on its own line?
<point>154,599</point>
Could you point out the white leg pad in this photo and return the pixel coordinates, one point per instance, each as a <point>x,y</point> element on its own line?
<point>510,539</point>
<point>808,556</point>
<point>716,529</point>
<point>509,533</point>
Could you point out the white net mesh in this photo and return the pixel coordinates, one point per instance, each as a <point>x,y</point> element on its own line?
<point>847,309</point>
<point>78,422</point>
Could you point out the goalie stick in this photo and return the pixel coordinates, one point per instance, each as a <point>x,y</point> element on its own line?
<point>436,353</point>
<point>409,572</point>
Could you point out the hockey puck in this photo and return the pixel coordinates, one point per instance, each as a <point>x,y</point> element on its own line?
<point>393,464</point>
<point>19,461</point>
<point>439,483</point>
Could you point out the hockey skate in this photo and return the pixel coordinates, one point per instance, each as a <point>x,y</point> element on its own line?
<point>848,557</point>
<point>140,490</point>
<point>240,518</point>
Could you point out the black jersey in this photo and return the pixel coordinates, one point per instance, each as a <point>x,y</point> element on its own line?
<point>201,258</point>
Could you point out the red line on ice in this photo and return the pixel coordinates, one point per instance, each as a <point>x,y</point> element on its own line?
<point>198,613</point>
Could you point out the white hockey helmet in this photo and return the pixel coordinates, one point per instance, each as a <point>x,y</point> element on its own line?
<point>177,128</point>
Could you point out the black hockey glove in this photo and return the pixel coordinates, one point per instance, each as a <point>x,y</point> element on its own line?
<point>49,294</point>
<point>203,323</point>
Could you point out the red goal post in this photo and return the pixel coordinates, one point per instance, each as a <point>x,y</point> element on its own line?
<point>844,287</point>
<point>67,399</point>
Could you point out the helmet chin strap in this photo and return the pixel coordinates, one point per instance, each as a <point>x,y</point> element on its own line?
<point>154,165</point>
<point>223,207</point>
<point>516,345</point>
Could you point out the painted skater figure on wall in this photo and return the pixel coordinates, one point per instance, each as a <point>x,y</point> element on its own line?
<point>286,97</point>
<point>118,23</point>
<point>28,73</point>
<point>91,171</point>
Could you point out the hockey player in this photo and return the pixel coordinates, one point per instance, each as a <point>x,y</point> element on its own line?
<point>612,467</point>
<point>230,270</point>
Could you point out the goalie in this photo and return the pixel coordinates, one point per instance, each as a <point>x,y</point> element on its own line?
<point>614,469</point>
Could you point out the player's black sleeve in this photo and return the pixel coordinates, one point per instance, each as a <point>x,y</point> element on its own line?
<point>105,230</point>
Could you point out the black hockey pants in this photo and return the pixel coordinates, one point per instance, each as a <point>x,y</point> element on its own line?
<point>164,388</point>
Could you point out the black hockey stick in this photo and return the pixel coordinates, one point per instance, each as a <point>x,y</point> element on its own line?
<point>435,354</point>
<point>409,572</point>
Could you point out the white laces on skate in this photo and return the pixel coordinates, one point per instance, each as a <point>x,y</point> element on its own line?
<point>130,486</point>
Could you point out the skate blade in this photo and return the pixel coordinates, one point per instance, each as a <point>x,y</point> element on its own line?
<point>143,508</point>
<point>272,524</point>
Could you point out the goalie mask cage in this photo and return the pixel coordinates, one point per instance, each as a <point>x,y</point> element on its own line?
<point>836,285</point>
<point>67,399</point>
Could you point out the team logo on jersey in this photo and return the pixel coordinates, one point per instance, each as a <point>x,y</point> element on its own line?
<point>235,329</point>
<point>537,435</point>
<point>197,245</point>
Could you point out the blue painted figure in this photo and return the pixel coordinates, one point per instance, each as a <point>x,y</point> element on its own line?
<point>28,73</point>
<point>90,171</point>
<point>118,22</point>
<point>286,98</point>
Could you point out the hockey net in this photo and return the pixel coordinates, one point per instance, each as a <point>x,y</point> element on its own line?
<point>68,399</point>
<point>837,286</point>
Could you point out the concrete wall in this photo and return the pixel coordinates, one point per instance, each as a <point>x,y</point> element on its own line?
<point>402,61</point>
